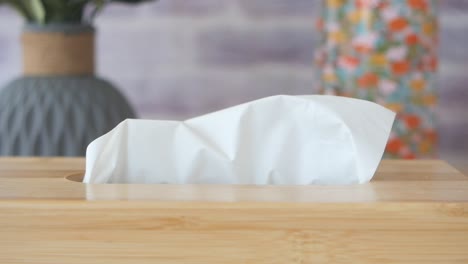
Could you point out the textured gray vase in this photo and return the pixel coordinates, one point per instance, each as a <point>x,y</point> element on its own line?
<point>57,115</point>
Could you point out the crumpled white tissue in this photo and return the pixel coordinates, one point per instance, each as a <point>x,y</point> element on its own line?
<point>286,140</point>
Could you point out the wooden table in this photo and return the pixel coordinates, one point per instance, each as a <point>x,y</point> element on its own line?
<point>412,212</point>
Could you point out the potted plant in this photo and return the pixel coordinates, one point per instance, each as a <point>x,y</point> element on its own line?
<point>58,106</point>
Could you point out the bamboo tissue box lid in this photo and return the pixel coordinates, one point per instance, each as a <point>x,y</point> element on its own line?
<point>411,212</point>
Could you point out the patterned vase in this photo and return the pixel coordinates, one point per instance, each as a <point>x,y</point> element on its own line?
<point>385,51</point>
<point>58,107</point>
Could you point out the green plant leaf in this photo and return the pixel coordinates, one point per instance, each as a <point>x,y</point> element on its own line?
<point>32,10</point>
<point>36,10</point>
<point>54,9</point>
<point>64,11</point>
<point>75,11</point>
<point>60,11</point>
<point>98,6</point>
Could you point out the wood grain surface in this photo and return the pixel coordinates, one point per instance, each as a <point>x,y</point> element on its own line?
<point>411,212</point>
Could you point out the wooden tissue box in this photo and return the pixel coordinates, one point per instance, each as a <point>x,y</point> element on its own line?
<point>411,212</point>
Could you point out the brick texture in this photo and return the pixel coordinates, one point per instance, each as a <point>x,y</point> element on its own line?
<point>190,8</point>
<point>460,6</point>
<point>454,45</point>
<point>202,94</point>
<point>274,8</point>
<point>228,46</point>
<point>4,47</point>
<point>140,51</point>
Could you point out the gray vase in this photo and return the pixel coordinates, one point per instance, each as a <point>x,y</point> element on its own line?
<point>54,112</point>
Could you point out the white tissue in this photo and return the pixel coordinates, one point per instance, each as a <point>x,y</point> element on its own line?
<point>293,140</point>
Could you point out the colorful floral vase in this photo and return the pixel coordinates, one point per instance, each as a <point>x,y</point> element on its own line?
<point>385,51</point>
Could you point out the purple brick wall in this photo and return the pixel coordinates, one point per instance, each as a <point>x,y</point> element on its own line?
<point>180,58</point>
<point>453,80</point>
<point>177,59</point>
<point>227,46</point>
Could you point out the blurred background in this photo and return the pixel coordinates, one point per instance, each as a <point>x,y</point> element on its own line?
<point>175,59</point>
